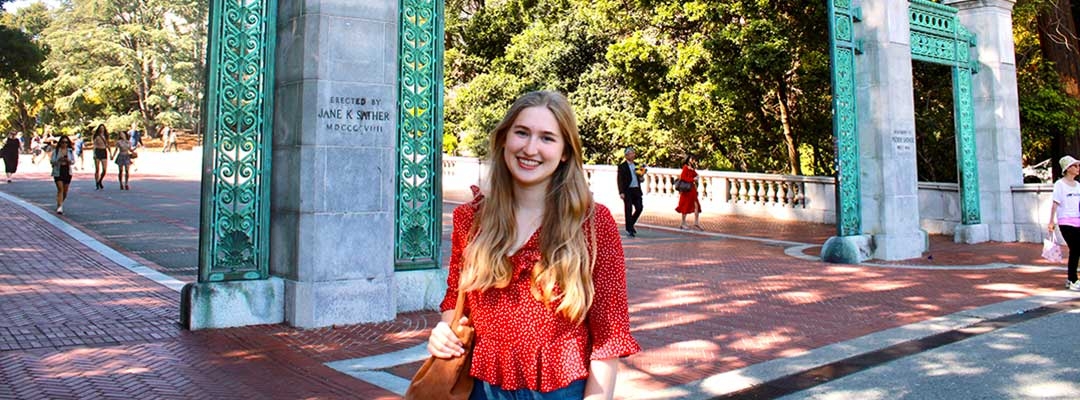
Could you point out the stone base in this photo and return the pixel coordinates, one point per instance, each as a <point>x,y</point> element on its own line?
<point>847,249</point>
<point>971,234</point>
<point>896,246</point>
<point>230,304</point>
<point>344,302</point>
<point>420,290</point>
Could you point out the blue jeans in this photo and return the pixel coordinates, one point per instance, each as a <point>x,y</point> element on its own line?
<point>486,391</point>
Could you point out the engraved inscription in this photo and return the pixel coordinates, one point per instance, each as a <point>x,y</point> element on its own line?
<point>903,141</point>
<point>355,114</point>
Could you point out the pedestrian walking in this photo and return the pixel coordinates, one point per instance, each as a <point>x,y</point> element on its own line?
<point>135,136</point>
<point>630,177</point>
<point>10,153</point>
<point>35,149</point>
<point>79,143</point>
<point>688,200</point>
<point>101,155</point>
<point>62,157</point>
<point>537,252</point>
<point>168,136</point>
<point>1065,214</point>
<point>122,156</point>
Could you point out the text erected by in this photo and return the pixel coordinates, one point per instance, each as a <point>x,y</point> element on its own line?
<point>355,114</point>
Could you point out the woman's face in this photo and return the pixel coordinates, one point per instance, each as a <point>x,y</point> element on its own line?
<point>534,147</point>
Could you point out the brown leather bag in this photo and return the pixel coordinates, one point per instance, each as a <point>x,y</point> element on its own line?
<point>446,378</point>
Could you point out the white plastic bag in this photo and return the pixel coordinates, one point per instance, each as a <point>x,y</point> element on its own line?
<point>1051,251</point>
<point>1058,239</point>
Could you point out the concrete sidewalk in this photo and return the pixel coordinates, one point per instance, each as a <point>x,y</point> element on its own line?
<point>716,312</point>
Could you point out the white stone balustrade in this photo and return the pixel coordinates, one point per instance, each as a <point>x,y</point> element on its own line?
<point>785,197</point>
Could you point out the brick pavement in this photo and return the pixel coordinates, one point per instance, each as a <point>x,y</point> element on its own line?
<point>75,325</point>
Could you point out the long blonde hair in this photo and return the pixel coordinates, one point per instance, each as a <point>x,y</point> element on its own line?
<point>564,273</point>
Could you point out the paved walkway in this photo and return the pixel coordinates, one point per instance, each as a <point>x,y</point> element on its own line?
<point>716,312</point>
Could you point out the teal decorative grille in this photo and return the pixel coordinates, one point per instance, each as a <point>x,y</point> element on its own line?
<point>966,160</point>
<point>843,48</point>
<point>234,236</point>
<point>420,115</point>
<point>937,37</point>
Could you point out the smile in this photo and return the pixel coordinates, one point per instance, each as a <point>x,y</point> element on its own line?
<point>528,163</point>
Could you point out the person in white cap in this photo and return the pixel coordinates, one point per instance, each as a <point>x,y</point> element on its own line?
<point>630,177</point>
<point>1065,214</point>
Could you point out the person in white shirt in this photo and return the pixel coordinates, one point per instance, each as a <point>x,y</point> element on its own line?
<point>1065,214</point>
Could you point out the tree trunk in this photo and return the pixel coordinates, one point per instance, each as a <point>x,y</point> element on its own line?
<point>23,120</point>
<point>789,137</point>
<point>1059,45</point>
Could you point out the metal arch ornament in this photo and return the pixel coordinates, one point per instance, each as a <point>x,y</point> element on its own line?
<point>937,37</point>
<point>420,129</point>
<point>235,209</point>
<point>843,48</point>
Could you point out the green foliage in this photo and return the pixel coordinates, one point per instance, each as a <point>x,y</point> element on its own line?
<point>450,144</point>
<point>1046,111</point>
<point>472,111</point>
<point>935,132</point>
<point>669,77</point>
<point>115,62</point>
<point>21,69</point>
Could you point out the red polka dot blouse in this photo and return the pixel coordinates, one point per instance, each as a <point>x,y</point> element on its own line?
<point>521,342</point>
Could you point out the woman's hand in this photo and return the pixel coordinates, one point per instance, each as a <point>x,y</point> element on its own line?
<point>444,343</point>
<point>1050,227</point>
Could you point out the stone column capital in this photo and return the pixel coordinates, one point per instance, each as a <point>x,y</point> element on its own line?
<point>1006,5</point>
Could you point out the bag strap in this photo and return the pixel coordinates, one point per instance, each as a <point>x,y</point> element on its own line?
<point>459,308</point>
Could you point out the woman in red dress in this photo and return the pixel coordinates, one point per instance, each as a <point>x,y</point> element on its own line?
<point>688,201</point>
<point>542,267</point>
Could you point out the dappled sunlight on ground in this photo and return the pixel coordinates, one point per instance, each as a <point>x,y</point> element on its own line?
<point>78,282</point>
<point>89,362</point>
<point>689,352</point>
<point>750,309</point>
<point>951,364</point>
<point>21,250</point>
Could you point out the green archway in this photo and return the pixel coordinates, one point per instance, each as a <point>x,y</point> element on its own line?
<point>936,37</point>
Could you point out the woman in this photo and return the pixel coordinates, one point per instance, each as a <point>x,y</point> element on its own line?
<point>542,267</point>
<point>101,155</point>
<point>688,201</point>
<point>1066,209</point>
<point>62,157</point>
<point>10,153</point>
<point>123,159</point>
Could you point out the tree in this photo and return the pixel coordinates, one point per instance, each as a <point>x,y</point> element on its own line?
<point>1049,113</point>
<point>21,73</point>
<point>1057,34</point>
<point>126,61</point>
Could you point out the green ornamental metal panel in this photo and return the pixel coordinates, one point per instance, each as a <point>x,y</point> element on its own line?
<point>420,129</point>
<point>235,212</point>
<point>843,49</point>
<point>937,37</point>
<point>966,160</point>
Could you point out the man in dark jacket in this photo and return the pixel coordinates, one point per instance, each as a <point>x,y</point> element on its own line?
<point>630,178</point>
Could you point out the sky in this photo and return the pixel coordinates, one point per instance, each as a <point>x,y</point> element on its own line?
<point>13,5</point>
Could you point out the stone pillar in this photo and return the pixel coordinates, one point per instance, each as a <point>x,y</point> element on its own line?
<point>886,125</point>
<point>997,111</point>
<point>332,213</point>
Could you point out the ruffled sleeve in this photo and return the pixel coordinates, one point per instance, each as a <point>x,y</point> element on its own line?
<point>608,319</point>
